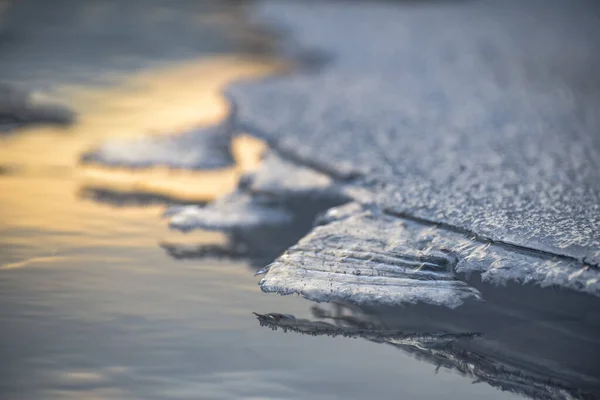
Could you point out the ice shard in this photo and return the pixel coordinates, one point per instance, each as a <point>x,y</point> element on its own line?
<point>202,148</point>
<point>235,211</point>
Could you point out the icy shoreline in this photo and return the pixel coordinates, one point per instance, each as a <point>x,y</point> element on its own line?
<point>494,171</point>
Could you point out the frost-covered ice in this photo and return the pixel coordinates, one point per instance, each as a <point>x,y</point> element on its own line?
<point>207,148</point>
<point>366,256</point>
<point>235,211</point>
<point>283,178</point>
<point>479,115</point>
<point>467,353</point>
<point>289,323</point>
<point>464,136</point>
<point>467,129</point>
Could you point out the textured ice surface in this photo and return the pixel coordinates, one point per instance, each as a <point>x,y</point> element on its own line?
<point>366,256</point>
<point>260,199</point>
<point>279,177</point>
<point>235,211</point>
<point>207,148</point>
<point>480,115</point>
<point>466,134</point>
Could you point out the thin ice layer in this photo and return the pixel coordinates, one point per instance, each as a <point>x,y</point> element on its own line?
<point>207,148</point>
<point>235,211</point>
<point>480,115</point>
<point>260,200</point>
<point>366,256</point>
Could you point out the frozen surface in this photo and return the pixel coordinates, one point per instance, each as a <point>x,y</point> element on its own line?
<point>235,211</point>
<point>207,148</point>
<point>467,145</point>
<point>277,176</point>
<point>262,198</point>
<point>367,259</point>
<point>481,115</point>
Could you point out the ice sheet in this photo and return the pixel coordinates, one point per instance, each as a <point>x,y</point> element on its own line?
<point>207,148</point>
<point>479,115</point>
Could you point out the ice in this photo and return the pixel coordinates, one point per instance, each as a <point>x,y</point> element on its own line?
<point>20,107</point>
<point>235,211</point>
<point>478,115</point>
<point>367,256</point>
<point>202,148</point>
<point>289,323</point>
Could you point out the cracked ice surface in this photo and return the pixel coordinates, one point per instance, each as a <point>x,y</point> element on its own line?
<point>366,256</point>
<point>260,199</point>
<point>479,115</point>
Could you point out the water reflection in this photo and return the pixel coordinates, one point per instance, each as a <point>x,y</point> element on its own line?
<point>44,181</point>
<point>133,198</point>
<point>259,245</point>
<point>542,349</point>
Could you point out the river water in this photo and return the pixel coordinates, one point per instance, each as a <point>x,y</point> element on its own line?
<point>98,299</point>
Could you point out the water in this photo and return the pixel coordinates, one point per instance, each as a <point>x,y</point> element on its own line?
<point>97,298</point>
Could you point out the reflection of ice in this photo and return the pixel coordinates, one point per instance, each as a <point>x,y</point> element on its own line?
<point>438,113</point>
<point>260,199</point>
<point>367,258</point>
<point>468,354</point>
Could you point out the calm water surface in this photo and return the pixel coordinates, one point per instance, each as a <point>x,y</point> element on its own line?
<point>92,304</point>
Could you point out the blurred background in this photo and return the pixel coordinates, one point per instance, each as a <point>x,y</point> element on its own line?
<point>111,111</point>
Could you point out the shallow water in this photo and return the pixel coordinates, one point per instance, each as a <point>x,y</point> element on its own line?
<point>99,300</point>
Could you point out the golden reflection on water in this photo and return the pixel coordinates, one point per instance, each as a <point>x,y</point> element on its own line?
<point>40,201</point>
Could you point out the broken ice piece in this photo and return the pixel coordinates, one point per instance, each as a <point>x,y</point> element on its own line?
<point>366,259</point>
<point>207,148</point>
<point>235,211</point>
